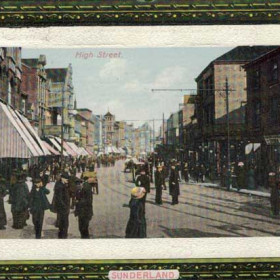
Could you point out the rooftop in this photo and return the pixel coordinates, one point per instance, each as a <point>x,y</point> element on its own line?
<point>31,62</point>
<point>241,54</point>
<point>57,75</point>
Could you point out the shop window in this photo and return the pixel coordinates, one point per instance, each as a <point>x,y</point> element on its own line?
<point>10,93</point>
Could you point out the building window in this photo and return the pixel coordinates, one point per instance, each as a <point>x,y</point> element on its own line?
<point>257,114</point>
<point>274,71</point>
<point>10,93</point>
<point>23,106</point>
<point>256,79</point>
<point>274,111</point>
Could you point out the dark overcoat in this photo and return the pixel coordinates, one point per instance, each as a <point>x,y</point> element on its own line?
<point>61,198</point>
<point>84,202</point>
<point>174,188</point>
<point>144,181</point>
<point>20,197</point>
<point>38,200</point>
<point>136,226</point>
<point>3,192</point>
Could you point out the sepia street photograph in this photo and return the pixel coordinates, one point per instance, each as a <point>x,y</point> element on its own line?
<point>139,142</point>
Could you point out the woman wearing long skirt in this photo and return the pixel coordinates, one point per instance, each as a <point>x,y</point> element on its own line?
<point>136,226</point>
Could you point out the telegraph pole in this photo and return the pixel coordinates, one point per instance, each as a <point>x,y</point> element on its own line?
<point>163,130</point>
<point>228,138</point>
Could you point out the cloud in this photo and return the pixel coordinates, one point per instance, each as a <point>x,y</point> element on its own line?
<point>113,70</point>
<point>170,77</point>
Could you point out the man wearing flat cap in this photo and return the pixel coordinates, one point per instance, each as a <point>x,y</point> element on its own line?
<point>61,205</point>
<point>38,203</point>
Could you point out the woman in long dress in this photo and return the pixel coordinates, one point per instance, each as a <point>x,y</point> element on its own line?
<point>136,226</point>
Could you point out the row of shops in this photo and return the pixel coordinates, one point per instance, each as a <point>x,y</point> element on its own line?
<point>21,146</point>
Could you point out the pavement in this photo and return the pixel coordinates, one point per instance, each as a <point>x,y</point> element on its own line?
<point>204,211</point>
<point>259,192</point>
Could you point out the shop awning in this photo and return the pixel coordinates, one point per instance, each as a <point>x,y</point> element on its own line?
<point>89,152</point>
<point>74,147</point>
<point>83,152</point>
<point>50,148</point>
<point>33,133</point>
<point>16,141</point>
<point>66,147</point>
<point>252,147</point>
<point>57,146</point>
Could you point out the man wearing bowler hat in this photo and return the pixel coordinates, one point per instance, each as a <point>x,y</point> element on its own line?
<point>61,205</point>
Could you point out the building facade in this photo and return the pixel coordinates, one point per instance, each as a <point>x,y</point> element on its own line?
<point>211,111</point>
<point>263,113</point>
<point>11,78</point>
<point>61,101</point>
<point>36,86</point>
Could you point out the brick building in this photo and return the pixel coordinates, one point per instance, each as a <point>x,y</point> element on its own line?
<point>36,86</point>
<point>10,79</point>
<point>263,112</point>
<point>86,115</point>
<point>211,106</point>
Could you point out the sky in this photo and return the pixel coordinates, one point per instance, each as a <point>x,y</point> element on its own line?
<point>124,84</point>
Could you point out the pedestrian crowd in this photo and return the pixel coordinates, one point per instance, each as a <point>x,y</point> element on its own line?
<point>143,176</point>
<point>70,192</point>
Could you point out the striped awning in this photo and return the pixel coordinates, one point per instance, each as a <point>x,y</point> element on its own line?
<point>57,146</point>
<point>16,140</point>
<point>74,147</point>
<point>50,148</point>
<point>89,152</point>
<point>33,133</point>
<point>83,152</point>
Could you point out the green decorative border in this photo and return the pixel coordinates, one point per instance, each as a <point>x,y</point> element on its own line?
<point>137,12</point>
<point>189,268</point>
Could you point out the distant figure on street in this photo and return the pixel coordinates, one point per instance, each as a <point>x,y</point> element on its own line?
<point>136,226</point>
<point>159,184</point>
<point>20,202</point>
<point>61,205</point>
<point>84,210</point>
<point>174,188</point>
<point>251,177</point>
<point>38,203</point>
<point>143,180</point>
<point>186,172</point>
<point>241,175</point>
<point>3,192</point>
<point>274,194</point>
<point>202,173</point>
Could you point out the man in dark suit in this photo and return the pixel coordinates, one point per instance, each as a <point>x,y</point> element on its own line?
<point>61,204</point>
<point>38,203</point>
<point>174,188</point>
<point>84,209</point>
